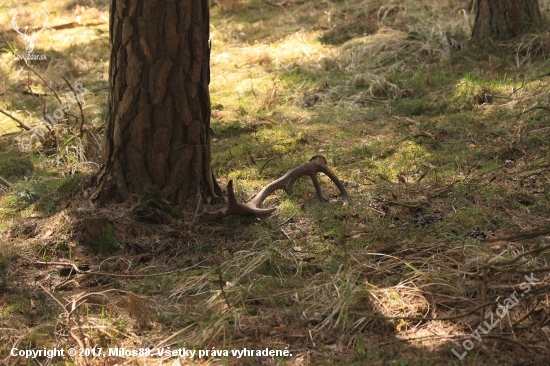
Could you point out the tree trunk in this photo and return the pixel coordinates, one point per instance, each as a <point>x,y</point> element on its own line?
<point>505,19</point>
<point>157,135</point>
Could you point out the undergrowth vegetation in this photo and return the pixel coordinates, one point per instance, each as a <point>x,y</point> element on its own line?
<point>441,142</point>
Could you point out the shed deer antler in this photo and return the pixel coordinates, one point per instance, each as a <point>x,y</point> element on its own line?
<point>316,164</point>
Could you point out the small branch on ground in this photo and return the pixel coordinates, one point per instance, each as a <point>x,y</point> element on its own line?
<point>221,282</point>
<point>530,234</point>
<point>79,271</point>
<point>287,220</point>
<point>21,124</point>
<point>281,4</point>
<point>267,161</point>
<point>6,181</point>
<point>532,109</point>
<point>79,106</point>
<point>41,78</point>
<point>77,24</point>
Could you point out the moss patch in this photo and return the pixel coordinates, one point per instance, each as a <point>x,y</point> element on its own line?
<point>154,209</point>
<point>100,235</point>
<point>12,165</point>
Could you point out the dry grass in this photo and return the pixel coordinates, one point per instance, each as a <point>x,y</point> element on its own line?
<point>398,276</point>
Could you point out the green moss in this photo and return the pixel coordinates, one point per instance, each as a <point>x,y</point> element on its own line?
<point>14,166</point>
<point>525,198</point>
<point>227,129</point>
<point>104,244</point>
<point>416,107</point>
<point>154,209</point>
<point>17,303</point>
<point>55,192</point>
<point>289,207</point>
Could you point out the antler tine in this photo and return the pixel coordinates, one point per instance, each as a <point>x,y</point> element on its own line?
<point>234,208</point>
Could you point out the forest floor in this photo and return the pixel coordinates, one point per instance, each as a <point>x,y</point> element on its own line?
<point>442,145</point>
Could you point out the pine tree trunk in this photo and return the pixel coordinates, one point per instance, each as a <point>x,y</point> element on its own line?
<point>505,19</point>
<point>157,135</point>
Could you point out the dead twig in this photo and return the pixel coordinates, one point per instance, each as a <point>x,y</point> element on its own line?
<point>281,4</point>
<point>34,94</point>
<point>79,271</point>
<point>41,78</point>
<point>79,106</point>
<point>532,109</point>
<point>53,297</point>
<point>6,181</point>
<point>43,105</point>
<point>524,271</point>
<point>173,335</point>
<point>287,220</point>
<point>221,282</point>
<point>21,124</point>
<point>530,234</point>
<point>267,161</point>
<point>77,24</point>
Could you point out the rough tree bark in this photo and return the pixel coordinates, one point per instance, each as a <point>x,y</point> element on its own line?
<point>158,121</point>
<point>505,19</point>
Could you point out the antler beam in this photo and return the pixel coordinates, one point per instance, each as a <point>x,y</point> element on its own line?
<point>316,164</point>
